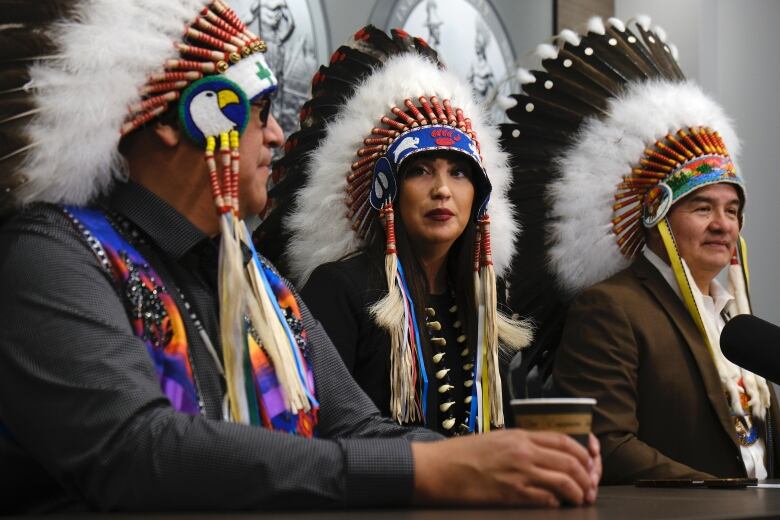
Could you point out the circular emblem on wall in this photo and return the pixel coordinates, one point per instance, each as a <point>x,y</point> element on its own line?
<point>469,36</point>
<point>297,37</point>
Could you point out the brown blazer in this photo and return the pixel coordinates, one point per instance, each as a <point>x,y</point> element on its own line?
<point>630,343</point>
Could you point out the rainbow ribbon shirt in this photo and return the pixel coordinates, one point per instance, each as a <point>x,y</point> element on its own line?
<point>157,321</point>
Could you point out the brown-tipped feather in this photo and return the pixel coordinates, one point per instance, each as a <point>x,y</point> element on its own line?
<point>34,11</point>
<point>572,87</point>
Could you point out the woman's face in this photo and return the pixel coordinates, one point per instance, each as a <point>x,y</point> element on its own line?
<point>435,199</point>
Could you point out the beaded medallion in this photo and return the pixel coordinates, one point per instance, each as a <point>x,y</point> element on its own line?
<point>747,432</point>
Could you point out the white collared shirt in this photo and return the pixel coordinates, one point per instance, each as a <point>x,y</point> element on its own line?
<point>752,456</point>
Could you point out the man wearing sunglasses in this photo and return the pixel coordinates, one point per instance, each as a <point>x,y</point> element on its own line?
<point>149,358</point>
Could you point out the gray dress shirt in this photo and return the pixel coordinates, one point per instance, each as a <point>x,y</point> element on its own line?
<point>85,424</point>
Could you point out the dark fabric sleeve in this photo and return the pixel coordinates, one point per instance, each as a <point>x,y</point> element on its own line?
<point>80,395</point>
<point>599,357</point>
<point>377,457</point>
<point>335,303</point>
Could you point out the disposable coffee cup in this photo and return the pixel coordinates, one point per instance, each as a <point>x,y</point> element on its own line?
<point>569,415</point>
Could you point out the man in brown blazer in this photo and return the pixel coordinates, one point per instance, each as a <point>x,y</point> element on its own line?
<point>641,209</point>
<point>631,343</point>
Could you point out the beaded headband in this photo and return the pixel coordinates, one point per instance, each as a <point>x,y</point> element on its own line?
<point>218,43</point>
<point>668,171</point>
<point>411,132</point>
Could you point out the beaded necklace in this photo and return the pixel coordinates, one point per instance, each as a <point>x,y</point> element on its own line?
<point>450,424</point>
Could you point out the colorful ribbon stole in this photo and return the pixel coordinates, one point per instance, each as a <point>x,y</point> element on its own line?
<point>303,423</point>
<point>153,313</point>
<point>156,320</point>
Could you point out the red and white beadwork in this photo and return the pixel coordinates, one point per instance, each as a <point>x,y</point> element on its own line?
<point>214,41</point>
<point>429,111</point>
<point>638,190</point>
<point>224,188</point>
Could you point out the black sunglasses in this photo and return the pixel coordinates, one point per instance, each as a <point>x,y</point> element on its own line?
<point>264,104</point>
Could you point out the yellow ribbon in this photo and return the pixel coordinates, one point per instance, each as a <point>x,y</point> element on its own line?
<point>682,280</point>
<point>743,261</point>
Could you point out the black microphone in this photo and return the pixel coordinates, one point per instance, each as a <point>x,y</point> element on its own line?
<point>753,344</point>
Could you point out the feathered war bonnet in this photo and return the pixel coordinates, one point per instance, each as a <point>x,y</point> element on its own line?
<point>606,138</point>
<point>381,100</point>
<point>78,75</point>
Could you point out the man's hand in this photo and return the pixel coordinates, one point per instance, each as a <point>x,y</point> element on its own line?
<point>507,467</point>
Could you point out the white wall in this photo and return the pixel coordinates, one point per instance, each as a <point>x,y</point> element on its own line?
<point>730,47</point>
<point>747,85</point>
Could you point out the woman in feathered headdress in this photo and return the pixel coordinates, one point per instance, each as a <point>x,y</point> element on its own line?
<point>399,220</point>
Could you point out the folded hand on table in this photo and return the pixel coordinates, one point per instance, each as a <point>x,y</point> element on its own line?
<point>507,467</point>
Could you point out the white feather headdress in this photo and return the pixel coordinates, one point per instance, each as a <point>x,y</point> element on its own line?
<point>586,127</point>
<point>602,153</point>
<point>103,54</point>
<point>322,231</point>
<point>378,95</point>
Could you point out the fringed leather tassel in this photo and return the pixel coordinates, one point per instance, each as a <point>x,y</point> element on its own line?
<point>233,301</point>
<point>275,337</point>
<point>738,285</point>
<point>491,378</point>
<point>393,313</point>
<point>244,293</point>
<point>232,293</point>
<point>513,334</point>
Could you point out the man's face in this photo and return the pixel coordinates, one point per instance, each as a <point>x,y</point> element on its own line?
<point>256,149</point>
<point>705,225</point>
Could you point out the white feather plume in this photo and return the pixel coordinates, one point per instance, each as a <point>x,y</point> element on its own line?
<point>643,21</point>
<point>596,25</point>
<point>506,102</point>
<point>105,54</point>
<point>585,250</point>
<point>660,32</point>
<point>617,24</point>
<point>546,51</point>
<point>675,52</point>
<point>570,37</point>
<point>524,76</point>
<point>318,222</point>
